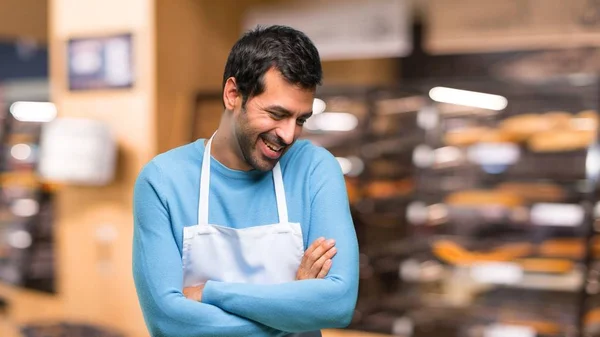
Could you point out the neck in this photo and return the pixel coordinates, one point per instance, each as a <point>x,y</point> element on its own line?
<point>225,147</point>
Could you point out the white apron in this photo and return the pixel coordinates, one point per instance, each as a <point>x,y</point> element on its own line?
<point>265,254</point>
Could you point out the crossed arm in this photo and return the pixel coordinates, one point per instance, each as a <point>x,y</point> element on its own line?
<point>315,264</point>
<point>233,309</point>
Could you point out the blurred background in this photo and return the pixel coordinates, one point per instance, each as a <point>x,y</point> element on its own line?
<point>466,130</point>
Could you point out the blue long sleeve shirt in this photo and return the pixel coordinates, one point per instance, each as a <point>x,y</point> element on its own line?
<point>166,200</point>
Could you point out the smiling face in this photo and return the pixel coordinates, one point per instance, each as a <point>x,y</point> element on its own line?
<point>271,122</point>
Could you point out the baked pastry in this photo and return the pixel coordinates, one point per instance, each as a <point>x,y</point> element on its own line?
<point>479,134</point>
<point>542,328</point>
<point>499,136</point>
<point>561,140</point>
<point>558,120</point>
<point>354,193</point>
<point>476,198</point>
<point>553,266</point>
<point>389,188</point>
<point>523,126</point>
<point>466,136</point>
<point>534,192</point>
<point>585,120</point>
<point>451,252</point>
<point>565,248</point>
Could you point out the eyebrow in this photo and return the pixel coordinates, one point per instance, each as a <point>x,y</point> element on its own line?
<point>284,111</point>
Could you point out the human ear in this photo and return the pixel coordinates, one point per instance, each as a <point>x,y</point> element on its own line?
<point>230,94</point>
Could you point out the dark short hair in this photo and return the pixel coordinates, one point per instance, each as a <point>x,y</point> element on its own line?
<point>286,49</point>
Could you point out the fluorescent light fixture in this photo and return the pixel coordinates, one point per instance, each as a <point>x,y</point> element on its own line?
<point>20,239</point>
<point>20,151</point>
<point>332,121</point>
<point>417,213</point>
<point>423,156</point>
<point>25,207</point>
<point>491,154</point>
<point>447,155</point>
<point>427,118</point>
<point>403,326</point>
<point>592,163</point>
<point>557,215</point>
<point>33,111</point>
<point>497,273</point>
<point>351,166</point>
<point>318,106</point>
<point>468,98</point>
<point>503,330</point>
<point>345,164</point>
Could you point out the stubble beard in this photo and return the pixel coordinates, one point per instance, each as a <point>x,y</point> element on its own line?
<point>247,143</point>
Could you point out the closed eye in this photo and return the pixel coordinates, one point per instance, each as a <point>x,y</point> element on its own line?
<point>301,121</point>
<point>276,115</point>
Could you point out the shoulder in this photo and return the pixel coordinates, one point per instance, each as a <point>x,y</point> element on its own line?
<point>174,162</point>
<point>310,158</point>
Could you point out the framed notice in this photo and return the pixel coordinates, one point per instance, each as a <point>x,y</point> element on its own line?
<point>100,62</point>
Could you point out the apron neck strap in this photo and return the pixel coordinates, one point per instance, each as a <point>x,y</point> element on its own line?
<point>205,188</point>
<point>280,194</point>
<point>205,184</point>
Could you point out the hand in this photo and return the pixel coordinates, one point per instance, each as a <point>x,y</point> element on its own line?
<point>316,261</point>
<point>194,293</point>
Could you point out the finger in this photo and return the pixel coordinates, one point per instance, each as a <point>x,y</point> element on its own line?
<point>325,270</point>
<point>321,249</point>
<point>318,265</point>
<point>314,245</point>
<point>331,253</point>
<point>306,262</point>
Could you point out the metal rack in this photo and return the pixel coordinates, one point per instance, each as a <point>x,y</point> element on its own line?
<point>529,170</point>
<point>391,246</point>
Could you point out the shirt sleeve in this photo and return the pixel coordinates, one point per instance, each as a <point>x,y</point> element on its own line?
<point>306,305</point>
<point>158,275</point>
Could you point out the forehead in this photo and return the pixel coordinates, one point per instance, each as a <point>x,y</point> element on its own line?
<point>278,91</point>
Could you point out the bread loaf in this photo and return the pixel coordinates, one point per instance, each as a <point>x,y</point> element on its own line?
<point>523,126</point>
<point>389,188</point>
<point>534,192</point>
<point>561,140</point>
<point>475,198</point>
<point>558,120</point>
<point>566,248</point>
<point>585,120</point>
<point>465,136</point>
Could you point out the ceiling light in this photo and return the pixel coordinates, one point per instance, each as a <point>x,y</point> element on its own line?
<point>20,151</point>
<point>332,121</point>
<point>33,111</point>
<point>318,106</point>
<point>468,98</point>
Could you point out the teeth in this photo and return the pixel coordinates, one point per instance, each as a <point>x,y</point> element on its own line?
<point>271,146</point>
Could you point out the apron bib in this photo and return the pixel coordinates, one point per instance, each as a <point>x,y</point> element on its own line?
<point>265,254</point>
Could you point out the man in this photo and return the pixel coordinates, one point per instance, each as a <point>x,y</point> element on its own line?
<point>230,232</point>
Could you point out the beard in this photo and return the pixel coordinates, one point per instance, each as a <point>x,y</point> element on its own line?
<point>247,139</point>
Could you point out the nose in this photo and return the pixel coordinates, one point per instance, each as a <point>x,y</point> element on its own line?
<point>287,131</point>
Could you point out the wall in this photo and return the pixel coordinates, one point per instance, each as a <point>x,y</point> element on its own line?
<point>193,41</point>
<point>88,289</point>
<point>191,47</point>
<point>24,19</point>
